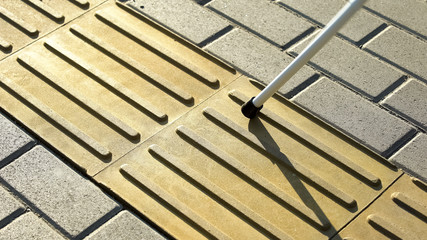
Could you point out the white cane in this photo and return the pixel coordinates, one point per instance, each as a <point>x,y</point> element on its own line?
<point>253,106</point>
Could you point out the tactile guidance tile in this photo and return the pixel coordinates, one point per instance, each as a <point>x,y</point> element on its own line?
<point>215,174</point>
<point>23,21</point>
<point>107,81</point>
<point>400,213</point>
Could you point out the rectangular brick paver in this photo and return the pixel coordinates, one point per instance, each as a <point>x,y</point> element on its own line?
<point>353,67</point>
<point>322,11</point>
<point>28,227</point>
<point>183,16</point>
<point>410,101</point>
<point>70,202</point>
<point>402,50</point>
<point>125,225</point>
<point>214,174</point>
<point>13,141</point>
<point>412,157</point>
<point>411,14</point>
<point>258,58</point>
<point>9,208</point>
<point>354,115</point>
<point>264,18</point>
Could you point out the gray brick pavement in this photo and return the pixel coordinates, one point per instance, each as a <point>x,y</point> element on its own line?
<point>410,14</point>
<point>357,69</point>
<point>354,115</point>
<point>412,157</point>
<point>322,11</point>
<point>68,201</point>
<point>13,141</point>
<point>10,208</point>
<point>28,227</point>
<point>185,17</point>
<point>402,50</point>
<point>252,50</point>
<point>266,19</point>
<point>258,58</point>
<point>410,101</point>
<point>125,225</point>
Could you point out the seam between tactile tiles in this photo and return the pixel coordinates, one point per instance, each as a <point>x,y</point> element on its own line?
<point>367,206</point>
<point>54,30</point>
<point>168,126</point>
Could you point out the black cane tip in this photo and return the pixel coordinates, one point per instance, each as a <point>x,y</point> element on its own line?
<point>249,109</point>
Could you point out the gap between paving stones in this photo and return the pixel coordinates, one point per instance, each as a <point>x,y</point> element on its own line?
<point>389,90</point>
<point>300,39</point>
<point>38,141</point>
<point>367,206</point>
<point>155,133</point>
<point>71,165</point>
<point>367,38</point>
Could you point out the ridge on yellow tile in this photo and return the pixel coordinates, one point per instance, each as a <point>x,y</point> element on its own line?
<point>215,174</point>
<point>399,213</point>
<point>22,22</point>
<point>101,85</point>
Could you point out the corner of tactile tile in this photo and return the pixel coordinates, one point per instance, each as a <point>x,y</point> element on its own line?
<point>105,84</point>
<point>399,213</point>
<point>308,176</point>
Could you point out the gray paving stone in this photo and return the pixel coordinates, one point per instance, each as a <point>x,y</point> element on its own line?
<point>355,116</point>
<point>125,226</point>
<point>410,101</point>
<point>410,14</point>
<point>67,200</point>
<point>401,50</point>
<point>355,68</point>
<point>258,58</point>
<point>322,11</point>
<point>412,158</point>
<point>28,227</point>
<point>185,17</point>
<point>263,17</point>
<point>13,141</point>
<point>10,208</point>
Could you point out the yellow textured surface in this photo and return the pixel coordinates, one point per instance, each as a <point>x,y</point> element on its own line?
<point>214,173</point>
<point>158,121</point>
<point>400,213</point>
<point>22,22</point>
<point>102,84</point>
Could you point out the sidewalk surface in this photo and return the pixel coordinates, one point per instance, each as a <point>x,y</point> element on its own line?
<point>115,125</point>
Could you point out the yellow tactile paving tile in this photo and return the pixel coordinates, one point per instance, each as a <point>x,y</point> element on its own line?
<point>23,21</point>
<point>102,84</point>
<point>399,213</point>
<point>215,174</point>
